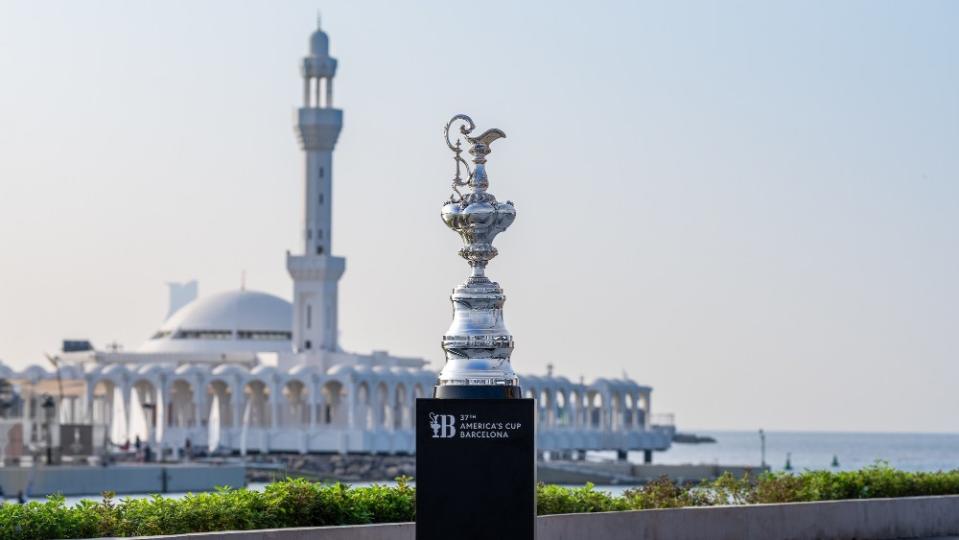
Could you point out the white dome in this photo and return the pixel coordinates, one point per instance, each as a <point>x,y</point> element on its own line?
<point>233,321</point>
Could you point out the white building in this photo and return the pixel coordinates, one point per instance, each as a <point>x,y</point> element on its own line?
<point>253,372</point>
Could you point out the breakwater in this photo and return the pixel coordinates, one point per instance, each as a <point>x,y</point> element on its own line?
<point>342,467</point>
<point>384,468</point>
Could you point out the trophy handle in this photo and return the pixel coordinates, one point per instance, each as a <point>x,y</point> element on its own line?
<point>458,181</point>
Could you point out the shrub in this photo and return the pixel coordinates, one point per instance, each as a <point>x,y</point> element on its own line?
<point>300,503</point>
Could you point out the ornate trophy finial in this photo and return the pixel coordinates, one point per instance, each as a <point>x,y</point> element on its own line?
<point>477,344</point>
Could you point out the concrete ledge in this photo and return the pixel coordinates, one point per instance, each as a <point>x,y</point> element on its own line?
<point>914,517</point>
<point>874,519</point>
<point>138,478</point>
<point>386,531</point>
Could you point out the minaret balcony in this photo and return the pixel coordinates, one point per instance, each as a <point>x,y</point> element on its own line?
<point>318,129</point>
<point>319,66</point>
<point>315,267</point>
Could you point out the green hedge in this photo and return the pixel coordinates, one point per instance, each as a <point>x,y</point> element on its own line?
<point>298,503</point>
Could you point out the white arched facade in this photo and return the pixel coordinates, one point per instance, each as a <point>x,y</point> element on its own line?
<point>346,408</point>
<point>261,409</point>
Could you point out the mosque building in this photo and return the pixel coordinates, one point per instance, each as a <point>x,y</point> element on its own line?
<point>245,371</point>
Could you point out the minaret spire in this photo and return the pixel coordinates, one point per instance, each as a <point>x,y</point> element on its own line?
<point>315,271</point>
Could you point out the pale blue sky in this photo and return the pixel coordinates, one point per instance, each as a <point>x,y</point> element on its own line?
<point>751,206</point>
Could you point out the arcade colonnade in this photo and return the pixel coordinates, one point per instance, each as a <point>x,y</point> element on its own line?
<point>357,408</point>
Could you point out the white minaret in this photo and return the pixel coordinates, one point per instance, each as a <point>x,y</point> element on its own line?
<point>316,272</point>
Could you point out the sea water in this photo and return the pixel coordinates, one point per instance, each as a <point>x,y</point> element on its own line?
<point>806,450</point>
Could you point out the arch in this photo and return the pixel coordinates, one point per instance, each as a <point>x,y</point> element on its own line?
<point>402,410</point>
<point>562,409</point>
<point>223,391</point>
<point>256,396</point>
<point>334,396</point>
<point>364,413</point>
<point>106,412</point>
<point>296,409</point>
<point>576,408</point>
<point>182,409</point>
<point>34,374</point>
<point>643,409</point>
<point>382,418</point>
<point>616,410</point>
<point>545,403</point>
<point>596,408</point>
<point>144,411</point>
<point>629,411</point>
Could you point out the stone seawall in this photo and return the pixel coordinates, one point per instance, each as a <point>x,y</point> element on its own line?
<point>121,479</point>
<point>383,468</point>
<point>347,468</point>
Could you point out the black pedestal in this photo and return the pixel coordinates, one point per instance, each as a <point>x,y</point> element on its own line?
<point>475,469</point>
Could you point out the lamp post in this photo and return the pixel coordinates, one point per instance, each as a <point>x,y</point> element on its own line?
<point>49,409</point>
<point>762,446</point>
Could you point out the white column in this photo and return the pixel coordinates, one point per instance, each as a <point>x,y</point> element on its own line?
<point>351,405</point>
<point>411,410</point>
<point>126,391</point>
<point>634,424</point>
<point>88,400</point>
<point>236,388</point>
<point>306,91</point>
<point>647,417</point>
<point>276,394</point>
<point>329,92</point>
<point>27,419</point>
<point>160,414</point>
<point>316,402</point>
<point>199,401</point>
<point>554,409</point>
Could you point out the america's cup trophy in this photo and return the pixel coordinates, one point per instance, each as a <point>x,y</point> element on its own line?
<point>476,437</point>
<point>477,344</point>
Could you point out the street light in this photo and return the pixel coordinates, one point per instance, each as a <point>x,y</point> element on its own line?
<point>762,444</point>
<point>49,408</point>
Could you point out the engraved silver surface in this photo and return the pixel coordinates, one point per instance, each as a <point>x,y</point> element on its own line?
<point>477,343</point>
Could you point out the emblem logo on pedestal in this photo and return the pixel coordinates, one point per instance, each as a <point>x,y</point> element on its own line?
<point>443,425</point>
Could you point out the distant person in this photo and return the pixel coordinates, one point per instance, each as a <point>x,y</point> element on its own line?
<point>137,443</point>
<point>20,498</point>
<point>188,449</point>
<point>146,454</point>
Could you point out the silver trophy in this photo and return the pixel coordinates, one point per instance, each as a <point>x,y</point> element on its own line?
<point>477,344</point>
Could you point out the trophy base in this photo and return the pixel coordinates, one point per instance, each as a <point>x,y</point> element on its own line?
<point>470,391</point>
<point>475,469</point>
